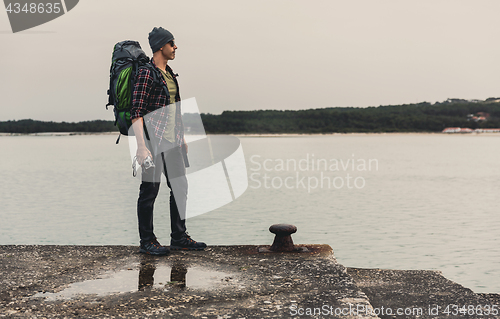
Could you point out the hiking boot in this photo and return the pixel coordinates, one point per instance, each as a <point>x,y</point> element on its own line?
<point>186,243</point>
<point>153,247</point>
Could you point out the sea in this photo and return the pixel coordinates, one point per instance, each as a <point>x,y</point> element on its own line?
<point>389,201</point>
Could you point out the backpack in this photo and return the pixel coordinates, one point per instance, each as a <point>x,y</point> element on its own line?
<point>128,57</point>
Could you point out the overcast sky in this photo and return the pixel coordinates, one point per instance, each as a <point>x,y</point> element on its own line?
<point>259,54</point>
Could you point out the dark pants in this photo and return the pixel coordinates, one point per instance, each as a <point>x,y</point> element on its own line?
<point>171,163</point>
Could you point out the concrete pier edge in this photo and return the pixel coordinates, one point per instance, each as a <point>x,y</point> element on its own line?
<point>220,282</point>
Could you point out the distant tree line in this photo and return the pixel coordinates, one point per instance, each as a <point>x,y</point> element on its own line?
<point>32,126</point>
<point>422,117</point>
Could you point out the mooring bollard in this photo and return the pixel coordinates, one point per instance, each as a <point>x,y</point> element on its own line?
<point>283,240</point>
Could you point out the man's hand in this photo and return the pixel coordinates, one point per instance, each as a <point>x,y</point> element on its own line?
<point>142,154</point>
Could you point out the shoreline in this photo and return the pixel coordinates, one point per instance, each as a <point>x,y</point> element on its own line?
<point>259,134</point>
<point>59,133</point>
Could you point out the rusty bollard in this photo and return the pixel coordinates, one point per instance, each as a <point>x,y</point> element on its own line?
<point>283,240</point>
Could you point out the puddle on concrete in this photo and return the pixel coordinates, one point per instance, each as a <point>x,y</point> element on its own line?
<point>147,277</point>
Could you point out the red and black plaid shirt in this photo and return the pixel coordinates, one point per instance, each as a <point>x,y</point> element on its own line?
<point>148,96</point>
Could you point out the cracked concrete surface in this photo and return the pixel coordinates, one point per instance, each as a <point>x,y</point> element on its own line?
<point>220,282</point>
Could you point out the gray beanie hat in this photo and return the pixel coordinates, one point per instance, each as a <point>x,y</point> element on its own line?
<point>158,37</point>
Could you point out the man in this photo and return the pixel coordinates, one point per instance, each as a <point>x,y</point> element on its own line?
<point>154,107</point>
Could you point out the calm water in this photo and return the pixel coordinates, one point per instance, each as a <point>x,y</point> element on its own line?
<point>410,201</point>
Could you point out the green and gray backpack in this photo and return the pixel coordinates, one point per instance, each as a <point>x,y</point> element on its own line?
<point>128,57</point>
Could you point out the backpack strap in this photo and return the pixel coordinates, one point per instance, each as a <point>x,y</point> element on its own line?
<point>156,79</point>
<point>111,98</point>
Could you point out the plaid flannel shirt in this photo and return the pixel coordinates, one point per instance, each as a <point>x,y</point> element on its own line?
<point>148,96</point>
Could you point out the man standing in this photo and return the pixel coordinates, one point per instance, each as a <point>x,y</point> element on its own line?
<point>154,106</point>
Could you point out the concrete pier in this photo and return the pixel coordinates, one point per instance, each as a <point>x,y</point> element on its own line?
<point>220,282</point>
